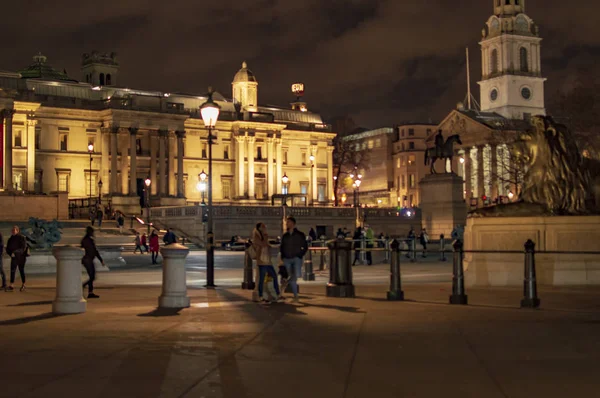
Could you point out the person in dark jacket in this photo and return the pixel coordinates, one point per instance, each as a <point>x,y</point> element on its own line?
<point>91,252</point>
<point>169,237</point>
<point>1,262</point>
<point>16,248</point>
<point>99,217</point>
<point>357,239</point>
<point>293,248</point>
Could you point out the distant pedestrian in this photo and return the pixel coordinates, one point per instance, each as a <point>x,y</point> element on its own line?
<point>144,242</point>
<point>91,252</point>
<point>424,239</point>
<point>120,222</point>
<point>340,234</point>
<point>312,234</point>
<point>262,248</point>
<point>92,215</point>
<point>169,237</point>
<point>357,239</point>
<point>154,246</point>
<point>370,237</point>
<point>138,243</point>
<point>381,240</point>
<point>99,217</point>
<point>16,248</point>
<point>293,248</point>
<point>410,240</point>
<point>2,263</point>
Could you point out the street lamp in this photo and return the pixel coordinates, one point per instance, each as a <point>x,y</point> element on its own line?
<point>91,151</point>
<point>147,183</point>
<point>285,179</point>
<point>210,114</point>
<point>356,186</point>
<point>511,195</point>
<point>100,191</point>
<point>202,185</point>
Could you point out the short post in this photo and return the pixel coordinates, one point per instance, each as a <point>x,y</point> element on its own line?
<point>458,279</point>
<point>530,298</point>
<point>174,286</point>
<point>69,292</point>
<point>442,248</point>
<point>386,245</point>
<point>248,283</point>
<point>308,275</point>
<point>413,250</point>
<point>395,293</point>
<point>363,251</point>
<point>340,269</point>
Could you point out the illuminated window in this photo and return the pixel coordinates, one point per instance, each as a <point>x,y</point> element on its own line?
<point>398,163</point>
<point>411,160</point>
<point>63,181</point>
<point>321,189</point>
<point>18,179</point>
<point>18,139</point>
<point>370,144</point>
<point>226,189</point>
<point>378,143</point>
<point>63,141</point>
<point>411,181</point>
<point>357,147</point>
<point>259,191</point>
<point>304,188</point>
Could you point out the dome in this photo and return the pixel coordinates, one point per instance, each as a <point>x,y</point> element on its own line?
<point>41,70</point>
<point>244,75</point>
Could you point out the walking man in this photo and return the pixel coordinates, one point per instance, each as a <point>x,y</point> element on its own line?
<point>99,217</point>
<point>91,252</point>
<point>16,248</point>
<point>293,248</point>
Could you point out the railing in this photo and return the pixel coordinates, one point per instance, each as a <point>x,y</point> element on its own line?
<point>80,208</point>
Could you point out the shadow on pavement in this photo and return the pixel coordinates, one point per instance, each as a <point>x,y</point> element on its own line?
<point>28,319</point>
<point>31,303</point>
<point>160,312</point>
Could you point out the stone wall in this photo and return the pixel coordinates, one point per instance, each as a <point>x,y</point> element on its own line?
<point>17,207</point>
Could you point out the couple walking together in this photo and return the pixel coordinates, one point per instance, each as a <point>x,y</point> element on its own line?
<point>292,249</point>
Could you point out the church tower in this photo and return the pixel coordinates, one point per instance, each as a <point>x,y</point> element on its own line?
<point>512,83</point>
<point>245,89</point>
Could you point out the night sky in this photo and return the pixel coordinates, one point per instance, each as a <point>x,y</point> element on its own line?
<point>380,61</point>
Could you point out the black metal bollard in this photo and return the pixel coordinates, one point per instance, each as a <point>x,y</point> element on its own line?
<point>458,280</point>
<point>248,283</point>
<point>395,293</point>
<point>340,269</point>
<point>442,248</point>
<point>308,275</point>
<point>530,298</point>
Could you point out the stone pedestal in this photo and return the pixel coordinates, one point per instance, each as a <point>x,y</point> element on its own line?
<point>69,292</point>
<point>561,233</point>
<point>174,287</point>
<point>442,203</point>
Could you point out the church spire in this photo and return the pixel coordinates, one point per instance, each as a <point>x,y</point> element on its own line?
<point>508,7</point>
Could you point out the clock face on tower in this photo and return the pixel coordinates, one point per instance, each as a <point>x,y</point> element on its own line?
<point>494,95</point>
<point>526,93</point>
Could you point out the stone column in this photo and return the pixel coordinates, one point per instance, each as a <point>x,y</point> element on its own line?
<point>270,167</point>
<point>468,176</point>
<point>69,293</point>
<point>174,286</point>
<point>494,171</point>
<point>133,161</point>
<point>124,164</point>
<point>250,167</point>
<point>180,137</point>
<point>330,192</point>
<point>31,155</point>
<point>114,137</point>
<point>8,150</point>
<point>153,150</point>
<point>104,160</point>
<point>162,179</point>
<point>313,174</point>
<point>171,164</point>
<point>480,174</point>
<point>279,161</point>
<point>240,169</point>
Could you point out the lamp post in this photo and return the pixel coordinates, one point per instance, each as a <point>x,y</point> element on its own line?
<point>311,158</point>
<point>90,151</point>
<point>356,186</point>
<point>202,185</point>
<point>210,114</point>
<point>100,192</point>
<point>147,183</point>
<point>285,179</point>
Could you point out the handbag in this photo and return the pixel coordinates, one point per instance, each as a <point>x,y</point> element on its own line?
<point>252,252</point>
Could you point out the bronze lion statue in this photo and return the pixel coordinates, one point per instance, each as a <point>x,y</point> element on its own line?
<point>557,178</point>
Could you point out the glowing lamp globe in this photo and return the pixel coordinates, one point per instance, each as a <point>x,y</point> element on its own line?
<point>210,111</point>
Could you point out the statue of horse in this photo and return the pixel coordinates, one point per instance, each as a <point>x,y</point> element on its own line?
<point>444,152</point>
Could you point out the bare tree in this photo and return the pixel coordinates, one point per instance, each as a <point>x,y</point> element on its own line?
<point>348,157</point>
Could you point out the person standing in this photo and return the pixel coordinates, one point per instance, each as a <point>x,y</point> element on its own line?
<point>260,242</point>
<point>91,252</point>
<point>293,248</point>
<point>424,239</point>
<point>120,222</point>
<point>99,217</point>
<point>138,243</point>
<point>144,242</point>
<point>357,239</point>
<point>16,248</point>
<point>154,246</point>
<point>92,215</point>
<point>312,234</point>
<point>2,263</point>
<point>169,237</point>
<point>410,241</point>
<point>370,235</point>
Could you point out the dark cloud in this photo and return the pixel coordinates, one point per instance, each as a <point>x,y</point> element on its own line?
<point>382,61</point>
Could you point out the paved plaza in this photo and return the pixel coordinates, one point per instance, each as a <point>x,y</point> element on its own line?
<point>227,346</point>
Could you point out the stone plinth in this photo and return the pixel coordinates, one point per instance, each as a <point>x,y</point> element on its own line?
<point>442,203</point>
<point>69,292</point>
<point>564,233</point>
<point>174,286</point>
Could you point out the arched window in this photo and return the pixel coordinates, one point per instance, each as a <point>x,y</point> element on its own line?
<point>108,79</point>
<point>494,61</point>
<point>102,79</point>
<point>524,60</point>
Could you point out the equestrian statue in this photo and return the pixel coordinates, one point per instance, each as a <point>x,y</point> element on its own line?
<point>442,150</point>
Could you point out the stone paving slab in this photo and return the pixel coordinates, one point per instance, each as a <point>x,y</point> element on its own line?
<point>227,346</point>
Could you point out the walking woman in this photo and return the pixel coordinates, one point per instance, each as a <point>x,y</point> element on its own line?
<point>16,248</point>
<point>91,252</point>
<point>154,246</point>
<point>260,242</point>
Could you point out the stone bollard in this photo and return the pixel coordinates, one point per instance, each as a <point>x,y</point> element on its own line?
<point>530,298</point>
<point>174,287</point>
<point>458,279</point>
<point>308,275</point>
<point>69,292</point>
<point>442,248</point>
<point>248,283</point>
<point>340,269</point>
<point>395,293</point>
